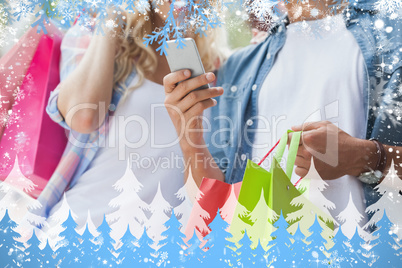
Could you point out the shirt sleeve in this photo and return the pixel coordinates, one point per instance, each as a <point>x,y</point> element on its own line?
<point>73,47</point>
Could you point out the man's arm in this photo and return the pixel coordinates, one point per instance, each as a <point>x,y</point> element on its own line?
<point>185,107</point>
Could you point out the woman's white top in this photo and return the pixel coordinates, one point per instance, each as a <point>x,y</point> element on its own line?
<point>134,176</point>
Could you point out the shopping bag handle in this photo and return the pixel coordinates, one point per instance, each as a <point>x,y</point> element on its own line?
<point>293,147</point>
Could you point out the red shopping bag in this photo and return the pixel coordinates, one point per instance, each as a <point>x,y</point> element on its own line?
<point>31,140</point>
<point>213,195</point>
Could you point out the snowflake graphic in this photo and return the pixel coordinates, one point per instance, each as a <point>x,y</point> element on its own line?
<point>93,4</point>
<point>2,11</point>
<point>4,116</point>
<point>206,11</point>
<point>110,24</point>
<point>4,166</point>
<point>297,10</point>
<point>384,44</point>
<point>389,6</point>
<point>261,9</point>
<point>314,12</point>
<point>159,2</point>
<point>5,34</point>
<point>66,12</point>
<point>143,6</point>
<point>366,24</point>
<point>21,139</point>
<point>6,13</point>
<point>334,261</point>
<point>22,10</point>
<point>18,94</point>
<point>164,255</point>
<point>382,99</point>
<point>195,20</point>
<point>200,18</point>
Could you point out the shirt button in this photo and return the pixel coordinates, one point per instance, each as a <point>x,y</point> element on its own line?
<point>268,56</point>
<point>249,122</point>
<point>254,87</point>
<point>233,88</point>
<point>243,157</point>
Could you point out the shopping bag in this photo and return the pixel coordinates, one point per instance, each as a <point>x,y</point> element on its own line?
<point>13,68</point>
<point>212,195</point>
<point>33,144</point>
<point>264,195</point>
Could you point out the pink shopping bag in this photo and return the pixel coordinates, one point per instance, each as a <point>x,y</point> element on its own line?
<point>32,140</point>
<point>13,68</point>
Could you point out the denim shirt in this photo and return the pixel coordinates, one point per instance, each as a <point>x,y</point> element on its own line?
<point>231,137</point>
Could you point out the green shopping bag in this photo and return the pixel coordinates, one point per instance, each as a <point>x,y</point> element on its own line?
<point>265,194</point>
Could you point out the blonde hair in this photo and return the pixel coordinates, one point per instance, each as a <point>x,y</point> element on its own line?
<point>134,55</point>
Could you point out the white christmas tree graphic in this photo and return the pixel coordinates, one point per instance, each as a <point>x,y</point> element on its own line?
<point>14,191</point>
<point>200,218</point>
<point>90,225</point>
<point>130,207</point>
<point>391,201</point>
<point>350,219</point>
<point>305,216</point>
<point>262,217</point>
<point>55,222</point>
<point>308,209</point>
<point>197,220</point>
<point>316,188</point>
<point>239,224</point>
<point>188,195</point>
<point>161,211</point>
<point>228,209</point>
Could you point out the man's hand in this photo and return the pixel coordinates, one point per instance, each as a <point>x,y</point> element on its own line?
<point>335,152</point>
<point>185,107</point>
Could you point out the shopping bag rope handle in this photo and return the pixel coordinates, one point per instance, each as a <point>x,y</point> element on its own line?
<point>270,151</point>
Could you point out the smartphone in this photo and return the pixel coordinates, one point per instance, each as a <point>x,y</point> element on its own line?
<point>185,58</point>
